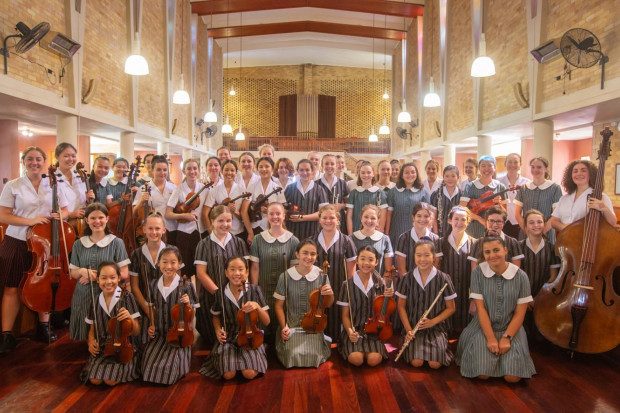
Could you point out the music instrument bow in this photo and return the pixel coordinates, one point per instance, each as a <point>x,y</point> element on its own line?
<point>121,221</point>
<point>229,200</point>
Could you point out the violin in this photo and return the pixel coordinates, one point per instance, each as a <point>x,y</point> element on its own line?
<point>143,212</point>
<point>192,201</point>
<point>119,345</point>
<point>383,307</point>
<point>79,223</point>
<point>181,334</point>
<point>315,320</point>
<point>229,200</point>
<point>255,207</point>
<point>487,200</point>
<point>121,221</point>
<point>249,336</point>
<point>292,210</point>
<point>47,286</point>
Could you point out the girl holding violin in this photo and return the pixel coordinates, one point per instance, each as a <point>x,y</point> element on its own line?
<point>294,347</point>
<point>246,176</point>
<point>232,303</point>
<point>308,197</point>
<point>449,195</point>
<point>162,362</point>
<point>416,292</point>
<point>211,253</point>
<point>339,251</point>
<point>272,252</point>
<point>494,344</point>
<point>357,301</point>
<point>260,189</point>
<point>105,307</point>
<point>159,192</point>
<point>405,248</point>
<point>98,182</point>
<point>477,188</point>
<point>97,245</point>
<point>24,202</point>
<point>369,235</point>
<point>335,188</point>
<point>366,192</point>
<point>118,183</point>
<point>225,192</point>
<point>189,231</point>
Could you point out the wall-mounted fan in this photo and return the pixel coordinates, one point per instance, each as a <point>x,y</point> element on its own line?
<point>28,39</point>
<point>210,131</point>
<point>403,132</point>
<point>582,49</point>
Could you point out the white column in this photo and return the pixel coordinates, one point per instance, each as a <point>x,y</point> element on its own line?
<point>484,145</point>
<point>127,145</point>
<point>66,129</point>
<point>425,156</point>
<point>163,147</point>
<point>449,155</point>
<point>543,140</point>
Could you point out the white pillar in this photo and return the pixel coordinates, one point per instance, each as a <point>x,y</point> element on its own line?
<point>66,129</point>
<point>127,145</point>
<point>449,155</point>
<point>543,140</point>
<point>163,147</point>
<point>485,144</point>
<point>425,156</point>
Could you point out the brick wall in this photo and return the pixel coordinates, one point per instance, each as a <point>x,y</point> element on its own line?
<point>181,63</point>
<point>430,67</point>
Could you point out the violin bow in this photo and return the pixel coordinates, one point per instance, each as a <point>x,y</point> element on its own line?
<point>285,288</point>
<point>151,314</point>
<point>219,265</point>
<point>346,278</point>
<point>95,323</point>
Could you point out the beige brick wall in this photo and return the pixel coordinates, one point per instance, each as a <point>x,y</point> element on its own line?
<point>181,62</point>
<point>200,103</point>
<point>430,67</point>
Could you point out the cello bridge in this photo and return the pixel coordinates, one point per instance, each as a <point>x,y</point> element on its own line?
<point>585,287</point>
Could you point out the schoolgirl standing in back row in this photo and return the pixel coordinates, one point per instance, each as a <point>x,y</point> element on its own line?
<point>335,188</point>
<point>449,195</point>
<point>421,217</point>
<point>365,193</point>
<point>98,182</point>
<point>368,235</point>
<point>228,189</point>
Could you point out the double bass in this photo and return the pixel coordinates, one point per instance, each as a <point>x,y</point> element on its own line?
<point>580,309</point>
<point>121,221</point>
<point>47,286</point>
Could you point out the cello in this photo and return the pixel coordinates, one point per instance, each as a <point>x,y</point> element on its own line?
<point>579,310</point>
<point>181,334</point>
<point>315,320</point>
<point>383,308</point>
<point>249,336</point>
<point>47,286</point>
<point>143,212</point>
<point>121,221</point>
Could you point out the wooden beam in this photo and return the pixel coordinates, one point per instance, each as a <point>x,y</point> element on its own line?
<point>307,26</point>
<point>381,7</point>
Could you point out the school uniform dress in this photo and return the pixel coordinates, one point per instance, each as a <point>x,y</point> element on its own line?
<point>512,226</point>
<point>447,203</point>
<point>241,182</point>
<point>501,294</point>
<point>455,262</point>
<point>87,254</point>
<point>537,264</point>
<point>162,362</point>
<point>301,349</point>
<point>340,249</point>
<point>188,233</point>
<point>213,254</point>
<point>378,241</point>
<point>20,196</point>
<point>463,184</point>
<point>102,191</point>
<point>514,249</point>
<point>386,188</point>
<point>400,202</point>
<point>430,344</point>
<point>406,242</point>
<point>359,197</point>
<point>117,188</point>
<point>543,198</point>
<point>430,189</point>
<point>570,209</point>
<point>474,191</point>
<point>109,368</point>
<point>218,194</point>
<point>272,254</point>
<point>159,202</point>
<point>256,189</point>
<point>362,299</point>
<point>308,202</point>
<point>336,194</point>
<point>228,356</point>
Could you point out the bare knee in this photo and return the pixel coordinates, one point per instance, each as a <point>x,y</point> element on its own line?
<point>229,375</point>
<point>417,363</point>
<point>110,383</point>
<point>434,364</point>
<point>373,359</point>
<point>249,374</point>
<point>96,382</point>
<point>512,379</point>
<point>357,358</point>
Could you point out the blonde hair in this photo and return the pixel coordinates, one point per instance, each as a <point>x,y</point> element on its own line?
<point>329,207</point>
<point>370,206</point>
<point>278,204</point>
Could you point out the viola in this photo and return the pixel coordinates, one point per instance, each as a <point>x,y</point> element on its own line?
<point>579,310</point>
<point>79,223</point>
<point>383,308</point>
<point>47,286</point>
<point>487,200</point>
<point>315,320</point>
<point>192,201</point>
<point>255,207</point>
<point>119,345</point>
<point>121,221</point>
<point>229,200</point>
<point>181,334</point>
<point>143,212</point>
<point>249,336</point>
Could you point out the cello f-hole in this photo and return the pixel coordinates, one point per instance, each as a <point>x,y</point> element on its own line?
<point>604,291</point>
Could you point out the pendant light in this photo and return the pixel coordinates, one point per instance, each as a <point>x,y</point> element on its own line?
<point>483,65</point>
<point>373,136</point>
<point>240,136</point>
<point>384,129</point>
<point>404,116</point>
<point>181,97</point>
<point>136,64</point>
<point>232,85</point>
<point>210,116</point>
<point>226,128</point>
<point>431,99</point>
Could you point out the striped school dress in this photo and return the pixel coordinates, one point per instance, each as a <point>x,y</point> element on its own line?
<point>501,294</point>
<point>514,249</point>
<point>430,344</point>
<point>400,203</point>
<point>362,299</point>
<point>109,368</point>
<point>543,198</point>
<point>301,349</point>
<point>336,194</point>
<point>378,241</point>
<point>271,253</point>
<point>117,188</point>
<point>87,254</point>
<point>454,262</point>
<point>162,362</point>
<point>102,191</point>
<point>309,202</point>
<point>228,356</point>
<point>213,254</point>
<point>447,202</point>
<point>340,249</point>
<point>406,242</point>
<point>359,197</point>
<point>474,190</point>
<point>537,264</point>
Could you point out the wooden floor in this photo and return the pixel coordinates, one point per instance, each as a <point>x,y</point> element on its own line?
<point>38,378</point>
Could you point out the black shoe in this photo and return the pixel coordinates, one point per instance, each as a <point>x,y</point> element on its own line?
<point>59,320</point>
<point>45,334</point>
<point>7,343</point>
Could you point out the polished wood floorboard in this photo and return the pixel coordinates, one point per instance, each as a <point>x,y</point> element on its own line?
<point>36,378</point>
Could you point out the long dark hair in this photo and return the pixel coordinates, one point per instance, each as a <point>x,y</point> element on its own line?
<point>400,183</point>
<point>95,206</point>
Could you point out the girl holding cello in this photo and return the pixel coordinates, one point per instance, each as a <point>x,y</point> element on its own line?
<point>357,300</point>
<point>97,245</point>
<point>24,202</point>
<point>162,362</point>
<point>232,301</point>
<point>103,307</point>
